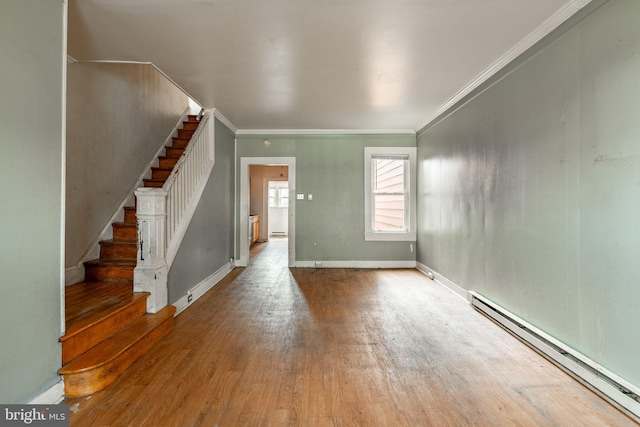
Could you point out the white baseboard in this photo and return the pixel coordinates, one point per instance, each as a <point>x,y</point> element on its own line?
<point>74,274</point>
<point>456,289</point>
<point>610,386</point>
<point>51,396</point>
<point>201,288</point>
<point>355,264</point>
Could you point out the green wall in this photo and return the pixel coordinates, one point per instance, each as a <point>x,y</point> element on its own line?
<point>31,190</point>
<point>331,167</point>
<point>208,242</point>
<point>529,191</point>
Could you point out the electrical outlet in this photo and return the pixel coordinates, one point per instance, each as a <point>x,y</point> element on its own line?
<point>318,263</point>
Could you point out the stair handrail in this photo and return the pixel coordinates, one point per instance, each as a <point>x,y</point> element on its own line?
<point>186,182</point>
<point>164,214</point>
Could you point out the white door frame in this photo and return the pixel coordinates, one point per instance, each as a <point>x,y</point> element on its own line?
<point>245,163</point>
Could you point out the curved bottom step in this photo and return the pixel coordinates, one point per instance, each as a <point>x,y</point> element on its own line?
<point>100,366</point>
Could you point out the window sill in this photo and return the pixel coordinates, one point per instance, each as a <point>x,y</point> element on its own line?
<point>390,237</point>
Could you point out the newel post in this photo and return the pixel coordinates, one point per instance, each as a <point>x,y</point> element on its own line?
<point>150,274</point>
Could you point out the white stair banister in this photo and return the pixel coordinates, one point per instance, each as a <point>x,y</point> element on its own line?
<point>164,213</point>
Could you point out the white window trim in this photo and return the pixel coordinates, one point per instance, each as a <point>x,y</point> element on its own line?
<point>369,232</point>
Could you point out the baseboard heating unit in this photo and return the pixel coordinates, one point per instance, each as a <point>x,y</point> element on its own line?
<point>616,390</point>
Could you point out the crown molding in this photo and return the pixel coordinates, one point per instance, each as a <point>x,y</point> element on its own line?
<point>326,132</point>
<point>564,13</point>
<point>218,115</point>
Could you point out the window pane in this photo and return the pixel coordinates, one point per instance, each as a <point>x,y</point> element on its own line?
<point>388,175</point>
<point>284,197</point>
<point>272,198</point>
<point>389,212</point>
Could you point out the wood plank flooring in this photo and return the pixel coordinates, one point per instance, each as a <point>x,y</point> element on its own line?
<point>270,346</point>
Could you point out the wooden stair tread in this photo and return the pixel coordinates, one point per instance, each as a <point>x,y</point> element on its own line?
<point>125,224</point>
<point>97,309</point>
<point>109,350</point>
<point>85,295</point>
<point>111,262</point>
<point>118,242</point>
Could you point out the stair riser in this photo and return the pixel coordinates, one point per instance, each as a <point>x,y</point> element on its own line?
<point>166,162</point>
<point>190,125</point>
<point>87,382</point>
<point>180,143</point>
<point>120,251</point>
<point>153,184</point>
<point>125,232</point>
<point>185,133</point>
<point>84,340</point>
<point>130,215</point>
<point>192,118</point>
<point>173,152</point>
<point>160,174</point>
<point>105,273</point>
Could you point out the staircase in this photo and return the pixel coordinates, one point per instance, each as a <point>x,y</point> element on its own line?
<point>107,327</point>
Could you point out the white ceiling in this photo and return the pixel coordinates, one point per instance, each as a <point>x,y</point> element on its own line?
<point>316,64</point>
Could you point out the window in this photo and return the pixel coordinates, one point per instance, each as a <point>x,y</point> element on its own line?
<point>390,193</point>
<point>278,194</point>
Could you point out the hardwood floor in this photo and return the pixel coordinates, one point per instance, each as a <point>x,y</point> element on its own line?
<point>339,347</point>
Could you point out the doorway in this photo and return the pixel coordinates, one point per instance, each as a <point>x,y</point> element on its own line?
<point>277,220</point>
<point>245,203</point>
